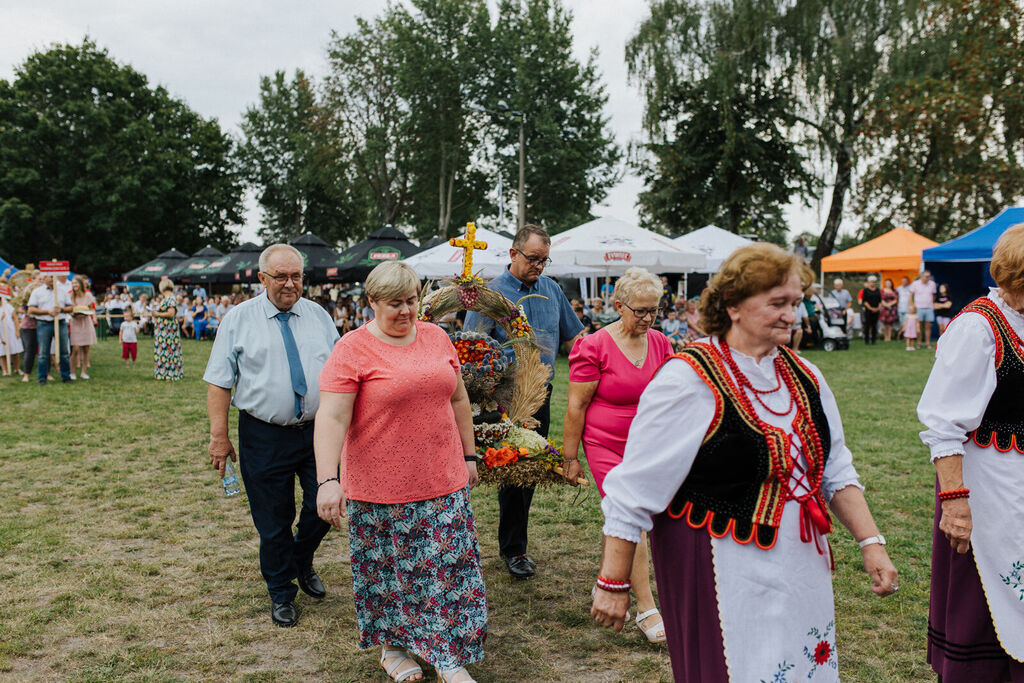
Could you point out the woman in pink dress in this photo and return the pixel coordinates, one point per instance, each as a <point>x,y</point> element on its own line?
<point>608,370</point>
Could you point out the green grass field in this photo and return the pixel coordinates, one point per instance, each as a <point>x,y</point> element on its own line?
<point>120,557</point>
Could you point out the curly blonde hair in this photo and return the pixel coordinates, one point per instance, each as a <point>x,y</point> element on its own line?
<point>634,282</point>
<point>748,271</point>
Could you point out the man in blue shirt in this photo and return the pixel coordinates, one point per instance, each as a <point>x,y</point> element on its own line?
<point>269,351</point>
<point>555,323</point>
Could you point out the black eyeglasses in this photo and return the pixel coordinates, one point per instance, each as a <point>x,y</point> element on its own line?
<point>282,279</point>
<point>644,312</point>
<point>534,260</point>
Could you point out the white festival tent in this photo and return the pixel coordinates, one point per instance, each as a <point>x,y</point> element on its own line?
<point>445,260</point>
<point>715,243</point>
<point>612,246</point>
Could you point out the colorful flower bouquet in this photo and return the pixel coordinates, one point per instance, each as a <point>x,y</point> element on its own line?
<point>504,391</point>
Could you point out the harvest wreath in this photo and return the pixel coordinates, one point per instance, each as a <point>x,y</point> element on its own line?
<point>505,394</point>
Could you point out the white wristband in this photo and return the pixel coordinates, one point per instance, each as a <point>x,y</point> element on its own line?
<point>871,540</point>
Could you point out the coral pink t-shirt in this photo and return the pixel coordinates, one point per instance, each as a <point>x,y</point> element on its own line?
<point>403,444</point>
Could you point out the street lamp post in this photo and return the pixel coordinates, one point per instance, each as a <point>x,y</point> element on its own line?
<point>503,110</point>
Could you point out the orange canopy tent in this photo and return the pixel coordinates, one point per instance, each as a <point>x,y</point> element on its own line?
<point>894,254</point>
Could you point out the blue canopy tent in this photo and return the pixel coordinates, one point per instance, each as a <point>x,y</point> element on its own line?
<point>962,264</point>
<point>4,265</point>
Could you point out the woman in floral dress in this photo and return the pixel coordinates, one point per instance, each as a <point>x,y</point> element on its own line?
<point>888,313</point>
<point>167,360</point>
<point>395,414</point>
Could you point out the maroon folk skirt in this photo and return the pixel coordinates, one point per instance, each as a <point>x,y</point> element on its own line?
<point>962,642</point>
<point>685,572</point>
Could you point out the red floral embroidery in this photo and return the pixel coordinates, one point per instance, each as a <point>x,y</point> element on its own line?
<point>822,652</point>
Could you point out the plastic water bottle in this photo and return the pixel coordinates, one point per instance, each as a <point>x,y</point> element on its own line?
<point>230,480</point>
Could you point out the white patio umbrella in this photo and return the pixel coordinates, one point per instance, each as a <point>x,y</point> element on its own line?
<point>715,243</point>
<point>445,260</point>
<point>612,246</point>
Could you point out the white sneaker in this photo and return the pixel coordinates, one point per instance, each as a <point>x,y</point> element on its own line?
<point>85,375</point>
<point>73,376</point>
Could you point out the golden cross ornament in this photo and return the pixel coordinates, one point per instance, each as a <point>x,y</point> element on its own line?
<point>469,243</point>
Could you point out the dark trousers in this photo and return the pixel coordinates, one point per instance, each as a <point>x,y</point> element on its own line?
<point>270,457</point>
<point>870,331</point>
<point>30,341</point>
<point>44,335</point>
<point>514,501</point>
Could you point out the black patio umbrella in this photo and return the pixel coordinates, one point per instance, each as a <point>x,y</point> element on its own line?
<point>433,242</point>
<point>152,271</point>
<point>239,266</point>
<point>192,268</point>
<point>356,262</point>
<point>319,257</point>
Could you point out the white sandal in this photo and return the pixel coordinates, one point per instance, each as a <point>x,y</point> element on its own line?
<point>656,633</point>
<point>405,656</point>
<point>448,675</point>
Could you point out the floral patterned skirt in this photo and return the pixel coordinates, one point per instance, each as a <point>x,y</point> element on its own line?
<point>167,360</point>
<point>416,578</point>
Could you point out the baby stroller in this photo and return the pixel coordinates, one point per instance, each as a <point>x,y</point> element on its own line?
<point>833,326</point>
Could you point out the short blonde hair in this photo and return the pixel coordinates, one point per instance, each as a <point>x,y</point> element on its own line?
<point>750,270</point>
<point>166,285</point>
<point>635,282</point>
<point>1007,265</point>
<point>391,280</point>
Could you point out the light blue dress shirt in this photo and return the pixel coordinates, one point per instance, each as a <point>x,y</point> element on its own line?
<point>552,318</point>
<point>249,356</point>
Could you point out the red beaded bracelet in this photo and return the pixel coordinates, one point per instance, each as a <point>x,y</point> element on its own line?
<point>613,586</point>
<point>953,494</point>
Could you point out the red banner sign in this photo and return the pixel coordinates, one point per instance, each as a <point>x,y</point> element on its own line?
<point>617,256</point>
<point>5,291</point>
<point>55,267</point>
<point>332,272</point>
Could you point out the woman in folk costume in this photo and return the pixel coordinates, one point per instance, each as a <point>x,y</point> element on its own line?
<point>973,408</point>
<point>736,450</point>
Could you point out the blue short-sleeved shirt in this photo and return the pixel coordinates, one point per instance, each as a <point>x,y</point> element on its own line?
<point>552,318</point>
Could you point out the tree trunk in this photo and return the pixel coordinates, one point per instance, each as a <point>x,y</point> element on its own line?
<point>844,167</point>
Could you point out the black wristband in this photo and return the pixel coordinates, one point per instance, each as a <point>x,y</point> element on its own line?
<point>327,480</point>
<point>470,458</point>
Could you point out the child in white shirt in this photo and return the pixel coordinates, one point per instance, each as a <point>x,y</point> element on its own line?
<point>128,335</point>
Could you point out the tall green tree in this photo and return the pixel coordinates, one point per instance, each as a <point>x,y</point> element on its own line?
<point>718,113</point>
<point>822,60</point>
<point>300,183</point>
<point>365,122</point>
<point>947,132</point>
<point>99,167</point>
<point>571,156</point>
<point>444,47</point>
<point>838,51</point>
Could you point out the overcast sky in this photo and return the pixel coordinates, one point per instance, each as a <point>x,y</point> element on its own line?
<point>212,53</point>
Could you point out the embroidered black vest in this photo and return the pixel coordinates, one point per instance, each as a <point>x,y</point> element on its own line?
<point>1002,424</point>
<point>737,484</point>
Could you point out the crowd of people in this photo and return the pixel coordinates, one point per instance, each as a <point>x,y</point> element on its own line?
<point>711,442</point>
<point>377,428</point>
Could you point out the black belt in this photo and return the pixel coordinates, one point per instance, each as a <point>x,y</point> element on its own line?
<point>299,425</point>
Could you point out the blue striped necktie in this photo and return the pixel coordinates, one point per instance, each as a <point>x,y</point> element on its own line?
<point>294,364</point>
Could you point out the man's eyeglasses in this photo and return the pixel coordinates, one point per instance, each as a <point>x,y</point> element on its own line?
<point>534,260</point>
<point>282,279</point>
<point>645,312</point>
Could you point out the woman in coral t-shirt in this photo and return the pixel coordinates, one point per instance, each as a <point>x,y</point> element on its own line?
<point>394,412</point>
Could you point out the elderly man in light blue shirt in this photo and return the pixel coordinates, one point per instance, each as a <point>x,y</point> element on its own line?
<point>555,323</point>
<point>270,350</point>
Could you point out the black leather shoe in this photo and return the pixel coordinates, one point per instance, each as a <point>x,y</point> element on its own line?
<point>311,584</point>
<point>519,566</point>
<point>284,613</point>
